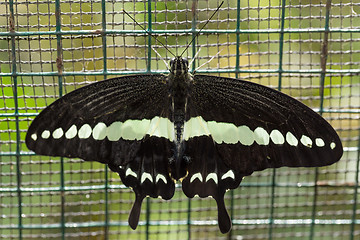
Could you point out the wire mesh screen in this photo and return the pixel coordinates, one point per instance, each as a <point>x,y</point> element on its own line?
<point>307,49</point>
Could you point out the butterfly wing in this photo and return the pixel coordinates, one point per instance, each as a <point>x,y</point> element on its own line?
<point>121,122</point>
<point>248,127</point>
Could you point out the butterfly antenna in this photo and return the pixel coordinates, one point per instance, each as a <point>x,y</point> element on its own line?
<point>193,39</point>
<point>152,35</point>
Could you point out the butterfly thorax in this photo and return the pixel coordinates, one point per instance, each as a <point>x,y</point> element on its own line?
<point>179,85</point>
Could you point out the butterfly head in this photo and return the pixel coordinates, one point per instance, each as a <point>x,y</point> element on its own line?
<point>179,66</point>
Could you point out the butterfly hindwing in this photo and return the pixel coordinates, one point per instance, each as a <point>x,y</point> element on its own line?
<point>147,174</point>
<point>209,176</point>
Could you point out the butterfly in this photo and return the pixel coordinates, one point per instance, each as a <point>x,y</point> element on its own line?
<point>206,131</point>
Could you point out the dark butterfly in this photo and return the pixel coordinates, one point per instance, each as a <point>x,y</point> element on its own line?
<point>209,132</point>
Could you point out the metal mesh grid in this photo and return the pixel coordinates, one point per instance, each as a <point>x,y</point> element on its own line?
<point>307,49</point>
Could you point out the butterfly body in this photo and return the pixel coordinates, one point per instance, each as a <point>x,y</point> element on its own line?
<point>178,82</point>
<point>209,132</point>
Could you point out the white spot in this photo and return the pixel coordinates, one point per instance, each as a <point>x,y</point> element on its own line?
<point>224,132</point>
<point>319,142</point>
<point>113,132</point>
<point>45,134</point>
<point>58,133</point>
<point>195,176</point>
<point>306,141</point>
<point>291,139</point>
<point>84,131</point>
<point>99,131</point>
<point>34,136</point>
<point>261,136</point>
<point>130,172</point>
<point>246,135</point>
<point>145,176</point>
<point>195,127</point>
<point>161,127</point>
<point>332,145</point>
<point>160,177</point>
<point>134,129</point>
<point>228,174</point>
<point>212,176</point>
<point>71,132</point>
<point>277,137</point>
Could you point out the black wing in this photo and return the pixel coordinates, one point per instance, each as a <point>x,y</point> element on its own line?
<point>258,128</point>
<point>85,123</point>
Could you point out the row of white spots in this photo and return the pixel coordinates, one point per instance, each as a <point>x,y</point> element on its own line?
<point>197,126</point>
<point>128,130</point>
<point>212,176</point>
<point>231,134</point>
<point>145,176</point>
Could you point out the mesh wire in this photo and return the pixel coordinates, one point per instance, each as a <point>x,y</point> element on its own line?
<point>307,49</point>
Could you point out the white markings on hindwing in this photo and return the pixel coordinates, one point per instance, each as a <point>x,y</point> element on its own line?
<point>160,177</point>
<point>212,176</point>
<point>130,172</point>
<point>228,174</point>
<point>145,176</point>
<point>196,176</point>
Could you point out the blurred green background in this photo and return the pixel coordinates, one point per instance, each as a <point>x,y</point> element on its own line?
<point>276,43</point>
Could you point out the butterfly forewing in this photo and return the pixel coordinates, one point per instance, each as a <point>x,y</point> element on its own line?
<point>255,127</point>
<point>77,125</point>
